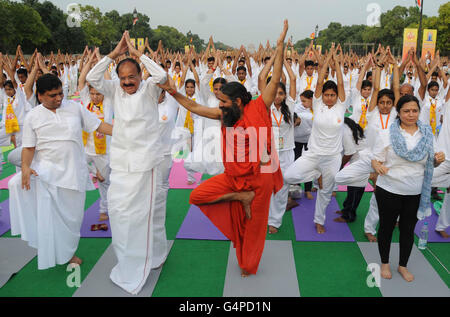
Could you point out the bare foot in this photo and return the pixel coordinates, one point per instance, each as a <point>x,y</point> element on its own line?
<point>309,196</point>
<point>333,194</point>
<point>407,276</point>
<point>314,189</point>
<point>386,271</point>
<point>244,273</point>
<point>370,237</point>
<point>319,180</point>
<point>340,219</point>
<point>103,217</point>
<point>100,177</point>
<point>291,204</point>
<point>339,212</point>
<point>443,234</point>
<point>75,260</point>
<point>190,183</point>
<point>246,200</point>
<point>273,230</point>
<point>320,229</point>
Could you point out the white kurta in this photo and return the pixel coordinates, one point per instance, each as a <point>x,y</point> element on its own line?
<point>135,154</point>
<point>49,216</point>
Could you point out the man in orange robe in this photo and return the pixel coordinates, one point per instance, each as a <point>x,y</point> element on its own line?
<point>237,202</point>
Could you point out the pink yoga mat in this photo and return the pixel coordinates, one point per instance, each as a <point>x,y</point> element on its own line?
<point>369,188</point>
<point>4,182</point>
<point>178,176</point>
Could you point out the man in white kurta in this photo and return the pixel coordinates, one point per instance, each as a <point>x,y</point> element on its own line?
<point>134,156</point>
<point>47,207</point>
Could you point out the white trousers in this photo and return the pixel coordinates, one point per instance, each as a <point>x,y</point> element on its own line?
<point>101,163</point>
<point>310,166</point>
<point>444,218</point>
<point>441,178</point>
<point>48,217</point>
<point>357,173</point>
<point>131,205</point>
<point>15,157</point>
<point>372,217</point>
<point>160,246</point>
<point>278,202</point>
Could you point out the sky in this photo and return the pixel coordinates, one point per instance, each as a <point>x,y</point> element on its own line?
<point>236,22</point>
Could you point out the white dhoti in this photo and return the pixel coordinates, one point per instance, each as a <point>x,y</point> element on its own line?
<point>101,163</point>
<point>309,167</point>
<point>131,204</point>
<point>48,217</point>
<point>160,245</point>
<point>278,202</point>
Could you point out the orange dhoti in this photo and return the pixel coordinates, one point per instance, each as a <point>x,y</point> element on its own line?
<point>248,236</point>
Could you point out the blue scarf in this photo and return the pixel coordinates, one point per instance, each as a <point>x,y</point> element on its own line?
<point>423,149</point>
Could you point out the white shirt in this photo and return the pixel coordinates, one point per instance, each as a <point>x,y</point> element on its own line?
<point>135,145</point>
<point>376,123</point>
<point>304,82</point>
<point>283,132</point>
<point>425,106</point>
<point>404,177</point>
<point>59,158</point>
<point>167,116</point>
<point>443,142</point>
<point>303,131</point>
<point>20,105</point>
<point>248,84</point>
<point>357,103</point>
<point>108,114</point>
<point>326,133</point>
<point>350,146</point>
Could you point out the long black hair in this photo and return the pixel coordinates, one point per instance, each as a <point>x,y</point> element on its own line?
<point>357,131</point>
<point>236,90</point>
<point>284,107</point>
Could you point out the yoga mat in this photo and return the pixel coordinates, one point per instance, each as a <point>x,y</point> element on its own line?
<point>178,177</point>
<point>4,182</point>
<point>433,236</point>
<point>14,255</point>
<point>90,218</point>
<point>276,276</point>
<point>369,188</point>
<point>305,229</point>
<point>5,223</point>
<point>196,226</point>
<point>98,283</point>
<point>427,282</point>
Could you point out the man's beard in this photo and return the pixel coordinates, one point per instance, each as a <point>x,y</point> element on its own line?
<point>230,115</point>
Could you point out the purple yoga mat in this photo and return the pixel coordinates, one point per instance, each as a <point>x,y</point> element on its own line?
<point>5,223</point>
<point>91,218</point>
<point>433,236</point>
<point>197,226</point>
<point>305,230</point>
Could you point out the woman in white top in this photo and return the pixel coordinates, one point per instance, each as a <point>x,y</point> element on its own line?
<point>325,144</point>
<point>282,114</point>
<point>404,158</point>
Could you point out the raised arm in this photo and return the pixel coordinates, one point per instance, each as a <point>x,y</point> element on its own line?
<point>269,93</point>
<point>421,73</point>
<point>292,80</point>
<point>190,105</point>
<point>262,78</point>
<point>376,86</point>
<point>85,71</point>
<point>396,81</point>
<point>340,78</point>
<point>362,75</point>
<point>322,73</point>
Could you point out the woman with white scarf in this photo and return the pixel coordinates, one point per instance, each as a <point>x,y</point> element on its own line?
<point>404,158</point>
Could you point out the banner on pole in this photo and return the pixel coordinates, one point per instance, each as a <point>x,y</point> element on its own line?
<point>409,40</point>
<point>140,43</point>
<point>429,43</point>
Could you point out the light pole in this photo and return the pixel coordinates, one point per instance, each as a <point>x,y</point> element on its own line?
<point>316,33</point>
<point>419,37</point>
